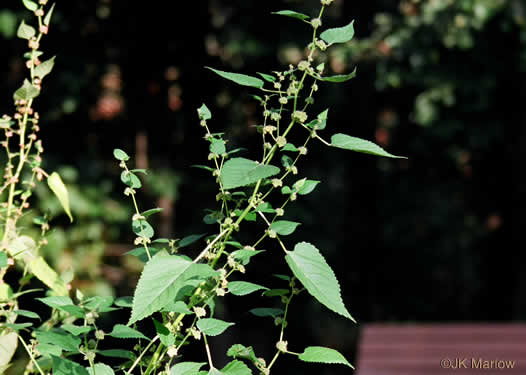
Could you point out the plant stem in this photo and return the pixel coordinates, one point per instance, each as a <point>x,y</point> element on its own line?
<point>141,355</point>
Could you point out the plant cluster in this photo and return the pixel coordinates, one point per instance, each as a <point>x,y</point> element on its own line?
<point>176,295</point>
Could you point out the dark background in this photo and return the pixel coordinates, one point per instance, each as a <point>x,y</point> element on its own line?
<point>434,238</point>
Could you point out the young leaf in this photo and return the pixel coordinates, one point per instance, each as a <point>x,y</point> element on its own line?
<point>117,353</point>
<point>47,17</point>
<point>320,354</point>
<point>178,307</point>
<point>142,228</point>
<point>213,327</point>
<point>284,227</point>
<point>25,31</point>
<point>160,281</point>
<point>236,368</point>
<point>31,5</point>
<point>217,146</point>
<point>150,212</point>
<point>48,276</point>
<point>131,179</point>
<point>17,326</point>
<point>360,145</point>
<point>338,34</point>
<point>276,292</point>
<point>62,366</point>
<point>243,352</point>
<point>291,147</point>
<point>167,338</point>
<point>186,368</point>
<point>188,240</point>
<point>204,113</point>
<point>291,13</point>
<point>265,208</point>
<point>61,339</point>
<point>340,77</point>
<point>121,331</point>
<point>242,288</point>
<point>57,186</point>
<point>267,311</point>
<point>307,187</point>
<point>101,369</point>
<point>320,122</point>
<point>27,314</point>
<point>44,68</point>
<point>244,255</point>
<point>239,172</point>
<point>26,92</point>
<point>76,330</point>
<point>120,155</point>
<point>126,301</point>
<point>267,77</point>
<point>240,79</point>
<point>310,267</point>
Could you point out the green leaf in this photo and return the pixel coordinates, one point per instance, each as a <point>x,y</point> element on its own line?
<point>290,147</point>
<point>151,211</point>
<point>126,301</point>
<point>217,146</point>
<point>239,172</point>
<point>186,368</point>
<point>213,327</point>
<point>57,186</point>
<point>76,330</point>
<point>204,113</point>
<point>26,92</point>
<point>242,288</point>
<point>8,345</point>
<point>338,34</point>
<point>131,179</point>
<point>47,275</point>
<point>142,228</point>
<point>265,208</point>
<point>62,366</point>
<point>27,314</point>
<point>359,145</point>
<point>17,326</point>
<point>48,350</point>
<point>291,13</point>
<point>47,17</point>
<point>25,31</point>
<point>243,352</point>
<point>120,155</point>
<point>100,304</point>
<point>121,331</point>
<point>178,307</point>
<point>101,369</point>
<point>3,259</point>
<point>236,368</point>
<point>276,292</point>
<point>44,68</point>
<point>310,267</point>
<point>61,339</point>
<point>117,353</point>
<point>240,79</point>
<point>267,77</point>
<point>188,240</point>
<point>167,338</point>
<point>340,77</point>
<point>161,280</point>
<point>31,5</point>
<point>320,122</point>
<point>320,354</point>
<point>307,187</point>
<point>244,255</point>
<point>284,227</point>
<point>267,311</point>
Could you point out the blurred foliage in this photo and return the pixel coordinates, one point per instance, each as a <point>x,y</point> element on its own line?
<point>440,81</point>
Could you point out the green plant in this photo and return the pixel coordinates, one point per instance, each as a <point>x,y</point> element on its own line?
<point>176,294</point>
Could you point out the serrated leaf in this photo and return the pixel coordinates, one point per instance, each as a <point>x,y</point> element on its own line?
<point>61,339</point>
<point>178,307</point>
<point>340,77</point>
<point>161,280</point>
<point>266,208</point>
<point>284,227</point>
<point>204,113</point>
<point>76,330</point>
<point>62,366</point>
<point>320,122</point>
<point>99,303</point>
<point>291,13</point>
<point>244,255</point>
<point>240,79</point>
<point>131,179</point>
<point>239,172</point>
<point>320,354</point>
<point>213,327</point>
<point>8,345</point>
<point>186,368</point>
<point>307,187</point>
<point>31,5</point>
<point>101,369</point>
<point>26,92</point>
<point>121,331</point>
<point>25,31</point>
<point>360,145</point>
<point>49,350</point>
<point>241,351</point>
<point>217,146</point>
<point>57,186</point>
<point>47,17</point>
<point>267,311</point>
<point>27,314</point>
<point>167,338</point>
<point>142,228</point>
<point>338,34</point>
<point>120,155</point>
<point>242,288</point>
<point>44,68</point>
<point>236,368</point>
<point>310,267</point>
